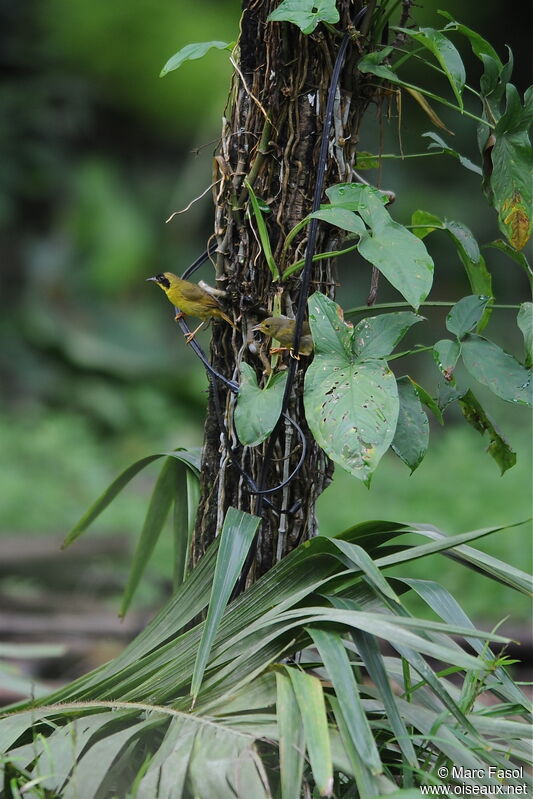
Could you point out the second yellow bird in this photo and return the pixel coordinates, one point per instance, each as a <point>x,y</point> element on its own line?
<point>191,300</point>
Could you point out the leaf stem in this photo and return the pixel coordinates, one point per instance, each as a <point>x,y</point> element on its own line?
<point>437,304</point>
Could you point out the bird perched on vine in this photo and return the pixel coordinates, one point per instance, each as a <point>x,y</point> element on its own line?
<point>282,329</point>
<point>191,300</point>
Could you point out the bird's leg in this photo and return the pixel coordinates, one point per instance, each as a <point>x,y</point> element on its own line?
<point>189,337</point>
<point>179,316</point>
<point>275,350</point>
<point>293,355</point>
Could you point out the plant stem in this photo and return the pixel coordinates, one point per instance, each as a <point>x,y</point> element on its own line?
<point>437,304</point>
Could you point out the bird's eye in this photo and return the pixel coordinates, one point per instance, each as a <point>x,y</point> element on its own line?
<point>163,280</point>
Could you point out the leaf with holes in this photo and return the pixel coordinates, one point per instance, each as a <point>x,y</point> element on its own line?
<point>257,409</point>
<point>351,402</point>
<point>306,14</point>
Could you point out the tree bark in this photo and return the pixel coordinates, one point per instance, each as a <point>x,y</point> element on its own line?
<point>271,135</point>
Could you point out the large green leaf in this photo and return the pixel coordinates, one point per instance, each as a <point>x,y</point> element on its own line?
<point>291,738</point>
<point>498,447</point>
<point>310,699</point>
<point>339,670</point>
<point>446,353</point>
<point>306,14</point>
<point>525,323</point>
<point>237,534</point>
<point>446,54</point>
<point>351,404</point>
<point>512,165</point>
<point>167,772</point>
<point>411,438</point>
<point>497,370</point>
<point>398,254</point>
<point>376,336</point>
<point>190,53</point>
<point>466,314</point>
<point>467,249</point>
<point>257,410</point>
<point>480,46</point>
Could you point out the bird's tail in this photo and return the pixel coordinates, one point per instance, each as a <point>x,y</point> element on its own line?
<point>226,318</point>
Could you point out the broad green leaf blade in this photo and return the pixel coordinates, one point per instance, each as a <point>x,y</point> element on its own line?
<point>376,336</point>
<point>446,54</point>
<point>339,670</point>
<point>171,479</point>
<point>411,438</point>
<point>351,406</point>
<point>446,606</point>
<point>237,534</point>
<point>306,14</point>
<point>355,554</point>
<point>497,370</point>
<point>310,698</point>
<point>446,353</point>
<point>498,448</point>
<point>257,410</point>
<point>223,763</point>
<point>512,165</point>
<point>356,197</point>
<point>438,143</point>
<point>262,230</point>
<point>366,784</point>
<point>399,255</point>
<point>425,223</point>
<point>368,648</point>
<point>466,314</point>
<point>291,738</point>
<point>341,218</point>
<point>191,52</point>
<point>166,774</point>
<point>524,321</point>
<point>467,248</point>
<point>479,45</point>
<point>373,63</point>
<point>93,767</point>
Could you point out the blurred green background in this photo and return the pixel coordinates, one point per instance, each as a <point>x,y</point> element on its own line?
<point>97,151</point>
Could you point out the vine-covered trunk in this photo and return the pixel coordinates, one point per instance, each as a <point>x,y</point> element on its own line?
<point>271,136</point>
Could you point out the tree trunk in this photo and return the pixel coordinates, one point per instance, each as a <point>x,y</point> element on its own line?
<point>272,135</point>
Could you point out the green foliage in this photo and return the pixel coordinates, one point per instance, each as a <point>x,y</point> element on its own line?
<point>191,52</point>
<point>257,409</point>
<point>140,702</point>
<point>411,437</point>
<point>389,246</point>
<point>306,14</point>
<point>351,401</point>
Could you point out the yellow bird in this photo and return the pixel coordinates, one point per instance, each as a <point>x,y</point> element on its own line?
<point>282,329</point>
<point>191,300</point>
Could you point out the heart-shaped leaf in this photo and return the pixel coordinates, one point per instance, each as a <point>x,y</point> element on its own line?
<point>257,409</point>
<point>351,403</point>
